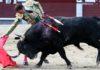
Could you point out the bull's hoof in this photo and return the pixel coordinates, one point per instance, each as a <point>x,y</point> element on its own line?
<point>46,61</point>
<point>26,63</point>
<point>69,66</point>
<point>38,66</point>
<point>98,62</point>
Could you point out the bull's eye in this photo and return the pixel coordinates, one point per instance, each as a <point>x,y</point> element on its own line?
<point>25,47</point>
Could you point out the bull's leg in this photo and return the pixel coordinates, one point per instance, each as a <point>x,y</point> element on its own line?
<point>96,44</point>
<point>63,55</point>
<point>46,61</point>
<point>98,57</point>
<point>43,56</point>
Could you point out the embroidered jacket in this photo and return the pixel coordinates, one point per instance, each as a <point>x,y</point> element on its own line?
<point>34,6</point>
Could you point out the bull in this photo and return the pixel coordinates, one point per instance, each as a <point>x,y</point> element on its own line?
<point>39,38</point>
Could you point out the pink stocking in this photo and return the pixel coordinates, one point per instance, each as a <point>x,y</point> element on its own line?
<point>25,59</point>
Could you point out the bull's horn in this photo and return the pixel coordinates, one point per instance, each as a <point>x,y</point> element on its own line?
<point>19,37</point>
<point>15,56</point>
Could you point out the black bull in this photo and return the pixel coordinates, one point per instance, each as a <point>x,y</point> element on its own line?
<point>75,30</point>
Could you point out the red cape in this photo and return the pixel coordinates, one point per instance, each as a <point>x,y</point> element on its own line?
<point>5,59</point>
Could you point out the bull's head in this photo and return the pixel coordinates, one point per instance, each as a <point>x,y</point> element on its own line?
<point>27,49</point>
<point>36,39</point>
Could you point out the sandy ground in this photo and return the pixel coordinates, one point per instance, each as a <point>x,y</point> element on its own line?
<point>81,60</point>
